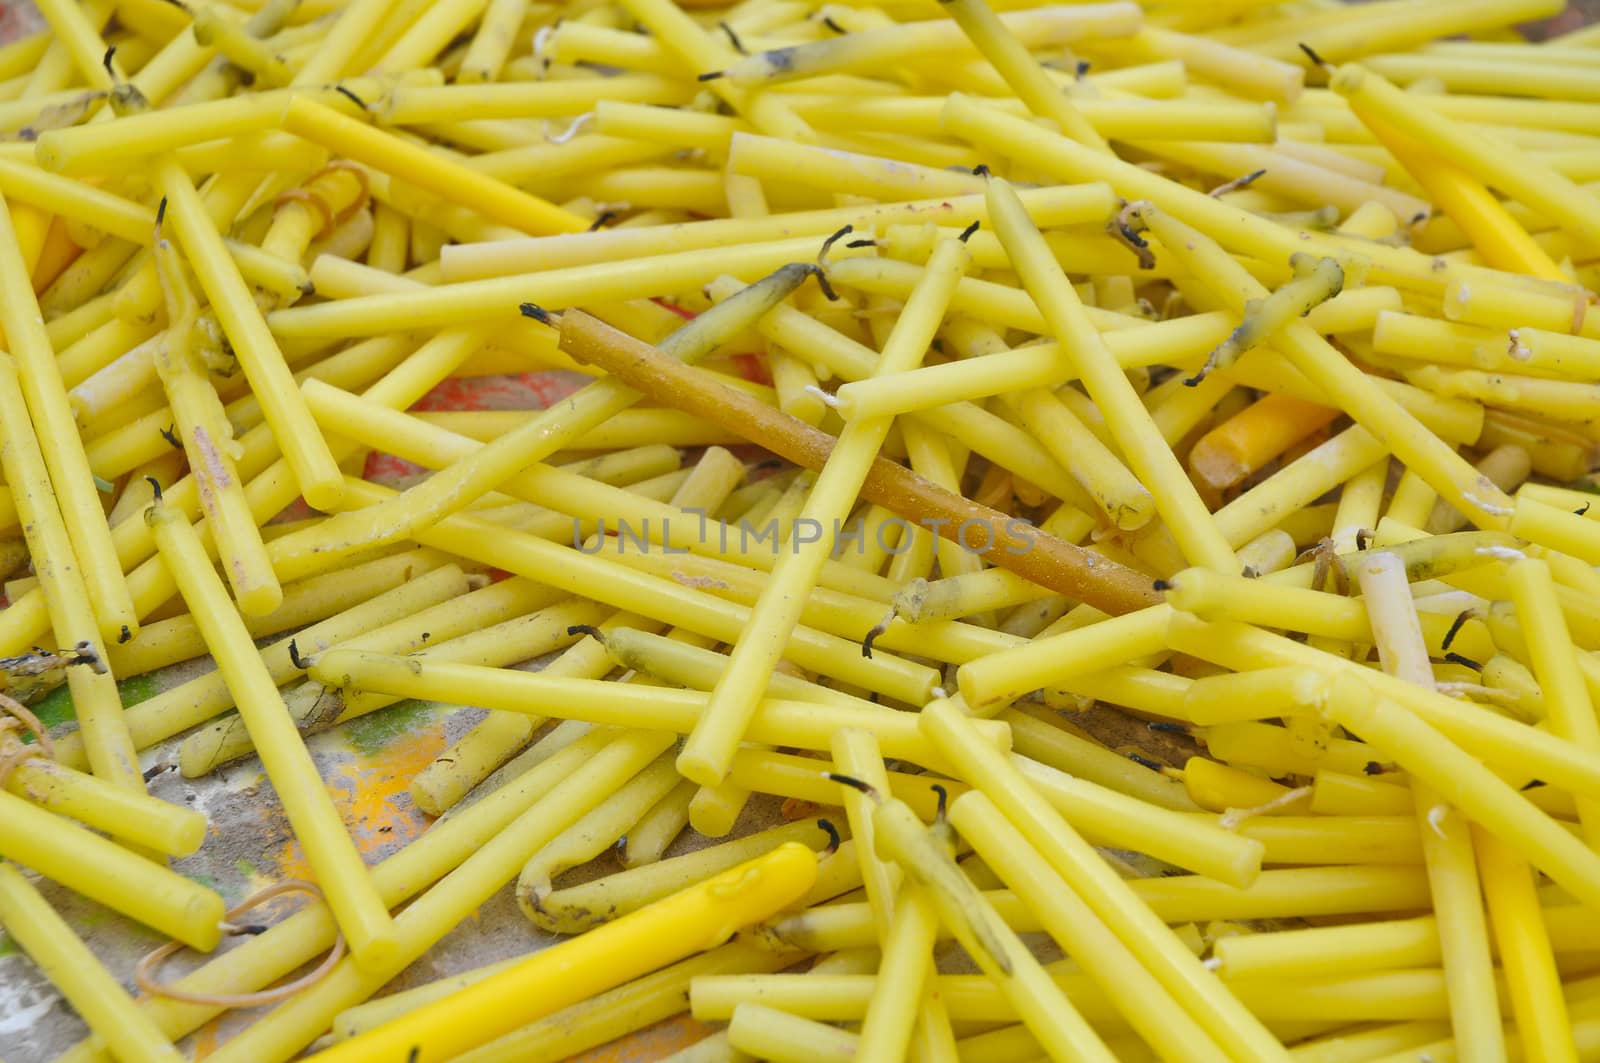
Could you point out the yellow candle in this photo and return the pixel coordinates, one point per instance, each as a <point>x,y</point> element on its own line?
<point>907,964</point>
<point>1447,842</point>
<point>477,875</point>
<point>80,976</point>
<point>1056,205</point>
<point>1135,992</point>
<point>1197,989</point>
<point>1532,981</point>
<point>106,872</point>
<point>1007,675</point>
<point>302,444</point>
<point>362,915</point>
<point>425,169</point>
<point>1488,158</point>
<point>1462,780</point>
<point>983,934</point>
<point>208,441</point>
<point>62,601</point>
<point>694,920</point>
<point>808,725</point>
<point>1082,349</point>
<point>856,754</point>
<point>759,1032</point>
<point>716,735</point>
<point>1565,696</point>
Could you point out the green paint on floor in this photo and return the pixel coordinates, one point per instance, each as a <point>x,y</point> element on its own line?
<point>369,735</point>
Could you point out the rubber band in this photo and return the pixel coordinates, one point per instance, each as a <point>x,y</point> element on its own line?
<point>13,751</point>
<point>305,195</point>
<point>144,972</point>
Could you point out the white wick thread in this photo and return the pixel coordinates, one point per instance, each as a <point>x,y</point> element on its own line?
<point>827,400</point>
<point>541,41</point>
<point>940,693</point>
<point>1488,507</point>
<point>1234,818</point>
<point>1211,963</point>
<point>571,130</point>
<point>1501,553</point>
<point>1436,817</point>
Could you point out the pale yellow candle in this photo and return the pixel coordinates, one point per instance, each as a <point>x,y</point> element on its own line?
<point>1135,992</point>
<point>62,601</point>
<point>1463,781</point>
<point>1565,696</point>
<point>1447,841</point>
<point>856,754</point>
<point>767,1033</point>
<point>1021,71</point>
<point>59,441</point>
<point>1146,451</point>
<point>710,747</point>
<point>808,725</point>
<point>208,440</point>
<point>427,170</point>
<point>1195,988</point>
<point>1420,449</point>
<point>998,952</point>
<point>303,446</point>
<point>906,967</point>
<point>78,974</point>
<point>344,879</point>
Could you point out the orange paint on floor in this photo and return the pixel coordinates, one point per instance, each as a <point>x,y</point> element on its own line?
<point>366,792</point>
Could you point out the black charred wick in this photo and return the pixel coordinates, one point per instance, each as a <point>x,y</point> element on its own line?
<point>535,311</point>
<point>822,282</point>
<point>352,97</point>
<point>1168,727</point>
<point>944,799</point>
<point>834,841</point>
<point>712,76</point>
<point>295,658</point>
<point>1160,586</point>
<point>155,485</point>
<point>1312,55</point>
<point>1137,758</point>
<point>106,61</point>
<point>733,38</point>
<point>1462,659</point>
<point>835,238</point>
<point>966,234</point>
<point>603,220</point>
<point>827,20</point>
<point>161,212</point>
<point>586,629</point>
<point>170,434</point>
<point>1455,627</point>
<point>980,170</point>
<point>125,636</point>
<point>852,782</point>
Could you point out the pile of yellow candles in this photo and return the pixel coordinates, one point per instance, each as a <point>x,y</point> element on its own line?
<point>1070,536</point>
